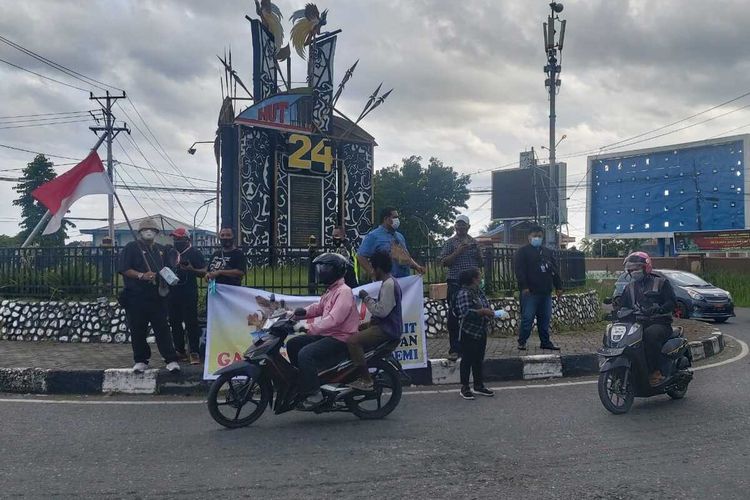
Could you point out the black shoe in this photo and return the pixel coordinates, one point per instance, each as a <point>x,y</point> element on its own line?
<point>549,347</point>
<point>521,347</point>
<point>453,356</point>
<point>483,391</point>
<point>466,393</point>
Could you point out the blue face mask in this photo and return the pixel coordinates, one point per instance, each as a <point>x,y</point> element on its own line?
<point>536,242</point>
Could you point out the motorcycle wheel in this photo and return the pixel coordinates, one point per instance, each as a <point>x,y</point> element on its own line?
<point>384,399</point>
<point>229,395</point>
<point>677,393</point>
<point>614,398</point>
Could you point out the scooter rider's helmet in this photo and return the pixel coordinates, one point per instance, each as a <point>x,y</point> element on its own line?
<point>330,267</point>
<point>638,261</point>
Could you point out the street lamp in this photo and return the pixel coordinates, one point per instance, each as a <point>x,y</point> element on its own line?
<point>195,216</point>
<point>191,149</point>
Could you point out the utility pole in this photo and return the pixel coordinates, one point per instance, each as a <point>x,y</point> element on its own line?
<point>110,132</point>
<point>552,47</point>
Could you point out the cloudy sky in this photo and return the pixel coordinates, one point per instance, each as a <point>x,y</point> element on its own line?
<point>468,79</point>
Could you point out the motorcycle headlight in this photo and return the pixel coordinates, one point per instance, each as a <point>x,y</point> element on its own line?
<point>693,294</point>
<point>617,332</point>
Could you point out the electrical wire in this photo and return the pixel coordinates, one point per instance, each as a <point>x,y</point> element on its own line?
<point>42,76</point>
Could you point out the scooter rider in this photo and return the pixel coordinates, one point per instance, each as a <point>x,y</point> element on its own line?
<point>654,297</point>
<point>325,341</point>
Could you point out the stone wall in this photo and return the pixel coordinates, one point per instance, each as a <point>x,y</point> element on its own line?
<point>570,311</point>
<point>104,321</point>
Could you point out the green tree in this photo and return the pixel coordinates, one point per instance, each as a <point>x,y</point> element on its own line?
<point>8,241</point>
<point>34,175</point>
<point>426,198</point>
<point>610,247</point>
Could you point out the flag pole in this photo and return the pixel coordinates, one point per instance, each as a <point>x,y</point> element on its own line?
<point>48,215</point>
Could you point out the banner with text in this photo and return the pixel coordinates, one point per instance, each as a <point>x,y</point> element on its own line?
<point>712,241</point>
<point>234,313</point>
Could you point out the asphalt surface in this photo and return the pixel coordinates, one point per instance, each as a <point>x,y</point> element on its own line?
<point>535,440</point>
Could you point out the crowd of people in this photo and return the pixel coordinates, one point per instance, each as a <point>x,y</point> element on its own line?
<point>168,302</point>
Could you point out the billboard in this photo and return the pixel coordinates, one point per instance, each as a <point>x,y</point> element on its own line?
<point>653,193</point>
<point>529,193</point>
<point>712,241</point>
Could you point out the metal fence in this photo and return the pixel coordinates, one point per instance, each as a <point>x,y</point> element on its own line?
<point>62,273</point>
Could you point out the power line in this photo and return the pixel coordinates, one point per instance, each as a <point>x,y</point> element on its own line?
<point>15,148</point>
<point>45,124</point>
<point>42,76</point>
<point>85,111</point>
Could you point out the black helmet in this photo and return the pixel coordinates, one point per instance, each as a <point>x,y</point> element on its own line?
<point>330,267</point>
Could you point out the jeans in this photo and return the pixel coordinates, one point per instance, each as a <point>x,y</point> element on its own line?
<point>654,337</point>
<point>453,324</point>
<point>472,358</point>
<point>537,306</point>
<point>310,354</point>
<point>366,339</point>
<point>183,308</point>
<point>140,312</point>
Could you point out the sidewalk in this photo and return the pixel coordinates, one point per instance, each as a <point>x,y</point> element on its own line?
<point>56,367</point>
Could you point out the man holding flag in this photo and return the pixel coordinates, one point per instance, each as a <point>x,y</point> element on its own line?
<point>140,262</point>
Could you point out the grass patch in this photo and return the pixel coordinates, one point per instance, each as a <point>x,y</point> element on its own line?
<point>738,284</point>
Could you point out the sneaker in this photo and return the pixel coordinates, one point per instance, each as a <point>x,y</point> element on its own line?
<point>195,359</point>
<point>140,367</point>
<point>173,367</point>
<point>310,403</point>
<point>483,391</point>
<point>521,347</point>
<point>362,385</point>
<point>549,347</point>
<point>466,393</point>
<point>453,356</point>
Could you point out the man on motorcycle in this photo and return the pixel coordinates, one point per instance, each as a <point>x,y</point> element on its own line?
<point>325,341</point>
<point>653,297</point>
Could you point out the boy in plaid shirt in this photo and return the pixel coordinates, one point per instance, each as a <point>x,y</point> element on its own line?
<point>474,315</point>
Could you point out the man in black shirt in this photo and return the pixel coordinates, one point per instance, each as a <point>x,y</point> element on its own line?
<point>343,246</point>
<point>187,263</point>
<point>143,296</point>
<point>536,272</point>
<point>227,265</point>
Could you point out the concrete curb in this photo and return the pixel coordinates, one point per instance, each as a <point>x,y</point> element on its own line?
<point>189,380</point>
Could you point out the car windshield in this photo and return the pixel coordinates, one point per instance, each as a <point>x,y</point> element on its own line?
<point>682,278</point>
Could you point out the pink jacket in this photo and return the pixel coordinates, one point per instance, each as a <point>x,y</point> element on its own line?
<point>338,311</point>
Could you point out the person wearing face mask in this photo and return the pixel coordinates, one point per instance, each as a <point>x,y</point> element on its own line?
<point>654,297</point>
<point>536,273</point>
<point>386,238</point>
<point>188,264</point>
<point>139,263</point>
<point>228,264</point>
<point>342,246</point>
<point>460,253</point>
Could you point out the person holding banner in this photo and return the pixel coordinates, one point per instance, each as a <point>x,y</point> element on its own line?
<point>325,341</point>
<point>386,323</point>
<point>475,315</point>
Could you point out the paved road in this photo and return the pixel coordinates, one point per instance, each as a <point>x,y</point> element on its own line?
<point>530,441</point>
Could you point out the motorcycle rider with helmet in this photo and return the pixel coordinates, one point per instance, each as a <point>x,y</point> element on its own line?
<point>654,297</point>
<point>325,341</point>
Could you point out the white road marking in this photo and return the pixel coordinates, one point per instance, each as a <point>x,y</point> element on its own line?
<point>744,351</point>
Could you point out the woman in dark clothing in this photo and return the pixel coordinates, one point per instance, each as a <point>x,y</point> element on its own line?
<point>474,315</point>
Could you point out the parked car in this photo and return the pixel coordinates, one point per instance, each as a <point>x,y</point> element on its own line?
<point>696,298</point>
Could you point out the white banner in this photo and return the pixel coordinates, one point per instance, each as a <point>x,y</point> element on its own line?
<point>234,313</point>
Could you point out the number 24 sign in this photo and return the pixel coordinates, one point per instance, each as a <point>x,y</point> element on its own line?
<point>310,152</point>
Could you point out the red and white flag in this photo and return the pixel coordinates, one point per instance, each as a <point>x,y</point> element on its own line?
<point>88,177</point>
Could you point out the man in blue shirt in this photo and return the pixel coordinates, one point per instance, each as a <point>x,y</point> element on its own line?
<point>386,238</point>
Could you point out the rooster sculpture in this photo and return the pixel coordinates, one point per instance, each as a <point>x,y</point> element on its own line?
<point>270,16</point>
<point>307,24</point>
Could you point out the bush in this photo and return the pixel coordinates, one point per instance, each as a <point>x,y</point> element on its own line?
<point>738,284</point>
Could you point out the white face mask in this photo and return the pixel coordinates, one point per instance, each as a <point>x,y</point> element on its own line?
<point>396,223</point>
<point>148,234</point>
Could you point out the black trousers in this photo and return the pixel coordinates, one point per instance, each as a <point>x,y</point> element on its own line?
<point>455,344</point>
<point>654,337</point>
<point>140,312</point>
<point>183,310</point>
<point>472,357</point>
<point>312,353</point>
